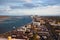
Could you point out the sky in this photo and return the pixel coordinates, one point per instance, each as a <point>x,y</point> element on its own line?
<point>30,7</point>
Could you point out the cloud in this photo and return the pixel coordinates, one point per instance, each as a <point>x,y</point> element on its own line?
<point>24,6</point>
<point>28,1</point>
<point>48,10</point>
<point>29,7</point>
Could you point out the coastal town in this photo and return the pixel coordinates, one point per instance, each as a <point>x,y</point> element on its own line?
<point>41,28</point>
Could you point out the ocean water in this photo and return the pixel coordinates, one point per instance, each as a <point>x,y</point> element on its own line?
<point>12,23</point>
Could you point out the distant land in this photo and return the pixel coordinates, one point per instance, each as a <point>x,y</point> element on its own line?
<point>3,16</point>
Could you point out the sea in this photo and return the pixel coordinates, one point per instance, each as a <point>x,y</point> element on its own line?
<point>13,22</point>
